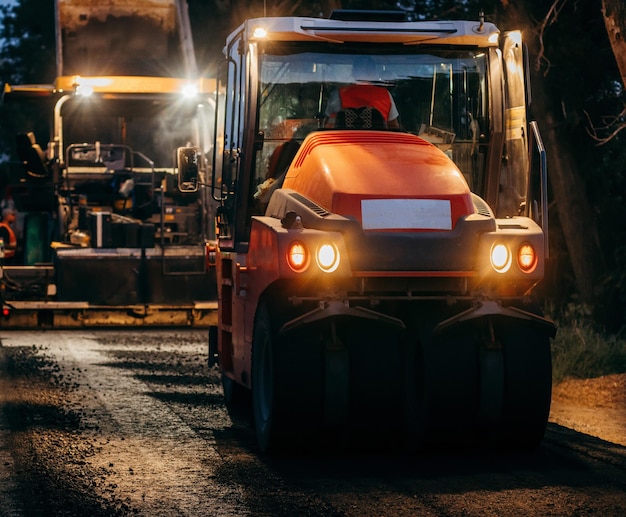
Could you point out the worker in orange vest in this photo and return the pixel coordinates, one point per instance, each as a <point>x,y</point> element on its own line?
<point>7,234</point>
<point>364,93</point>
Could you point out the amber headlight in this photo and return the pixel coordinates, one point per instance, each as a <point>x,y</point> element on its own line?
<point>298,256</point>
<point>526,258</point>
<point>500,258</point>
<point>327,257</point>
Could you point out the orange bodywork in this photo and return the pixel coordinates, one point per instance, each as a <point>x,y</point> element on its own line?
<point>339,169</point>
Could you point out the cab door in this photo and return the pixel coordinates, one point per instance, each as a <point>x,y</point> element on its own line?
<point>232,181</point>
<point>523,180</point>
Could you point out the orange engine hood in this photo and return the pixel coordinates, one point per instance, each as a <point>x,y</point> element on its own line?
<point>386,180</point>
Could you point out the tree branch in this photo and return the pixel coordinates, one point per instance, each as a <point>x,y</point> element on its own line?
<point>614,124</point>
<point>550,18</point>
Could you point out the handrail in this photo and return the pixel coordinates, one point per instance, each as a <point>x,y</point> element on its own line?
<point>543,172</point>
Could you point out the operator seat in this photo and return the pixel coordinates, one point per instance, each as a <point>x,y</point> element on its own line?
<point>281,158</point>
<point>279,163</point>
<point>364,117</point>
<point>32,156</point>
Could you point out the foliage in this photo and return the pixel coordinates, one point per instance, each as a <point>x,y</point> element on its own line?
<point>27,52</point>
<point>27,55</point>
<point>602,167</point>
<point>445,9</point>
<point>581,351</point>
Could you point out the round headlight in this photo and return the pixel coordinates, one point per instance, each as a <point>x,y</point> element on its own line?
<point>500,258</point>
<point>327,257</point>
<point>526,258</point>
<point>259,32</point>
<point>298,256</point>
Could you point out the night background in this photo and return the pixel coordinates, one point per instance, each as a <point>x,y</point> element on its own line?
<point>578,100</point>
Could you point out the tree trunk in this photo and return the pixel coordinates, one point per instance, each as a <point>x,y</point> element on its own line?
<point>577,221</point>
<point>614,13</point>
<point>575,215</point>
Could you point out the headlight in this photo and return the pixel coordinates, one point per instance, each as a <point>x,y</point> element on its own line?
<point>500,258</point>
<point>526,258</point>
<point>84,90</point>
<point>298,256</point>
<point>259,32</point>
<point>327,257</point>
<point>189,91</point>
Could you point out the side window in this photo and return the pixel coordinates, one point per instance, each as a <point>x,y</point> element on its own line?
<point>287,113</point>
<point>289,99</point>
<point>233,105</point>
<point>228,139</point>
<point>514,177</point>
<point>219,142</point>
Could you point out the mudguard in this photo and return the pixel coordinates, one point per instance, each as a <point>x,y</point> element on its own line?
<point>489,308</point>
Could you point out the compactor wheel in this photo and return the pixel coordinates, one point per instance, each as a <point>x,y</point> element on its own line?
<point>527,388</point>
<point>287,386</point>
<point>451,383</point>
<point>336,386</point>
<point>264,404</point>
<point>491,386</point>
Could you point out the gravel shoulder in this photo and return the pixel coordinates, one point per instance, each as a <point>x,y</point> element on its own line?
<point>596,407</point>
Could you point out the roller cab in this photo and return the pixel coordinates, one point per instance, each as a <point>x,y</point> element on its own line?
<point>367,270</point>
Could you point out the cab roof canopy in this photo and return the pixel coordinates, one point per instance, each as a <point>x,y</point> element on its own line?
<point>118,37</point>
<point>110,85</point>
<point>370,16</point>
<point>356,26</point>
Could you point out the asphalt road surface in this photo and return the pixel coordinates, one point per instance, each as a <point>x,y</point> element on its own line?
<point>104,423</point>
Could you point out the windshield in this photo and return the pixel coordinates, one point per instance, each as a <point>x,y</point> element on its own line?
<point>439,94</point>
<point>151,128</point>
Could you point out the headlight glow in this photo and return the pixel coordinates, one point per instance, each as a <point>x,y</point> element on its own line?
<point>327,257</point>
<point>526,258</point>
<point>190,91</point>
<point>298,257</point>
<point>259,32</point>
<point>84,90</point>
<point>500,258</point>
<point>85,86</point>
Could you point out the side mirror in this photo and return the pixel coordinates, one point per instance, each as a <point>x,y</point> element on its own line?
<point>188,162</point>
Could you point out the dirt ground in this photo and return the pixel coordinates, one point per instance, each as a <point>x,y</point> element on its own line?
<point>596,407</point>
<point>133,423</point>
